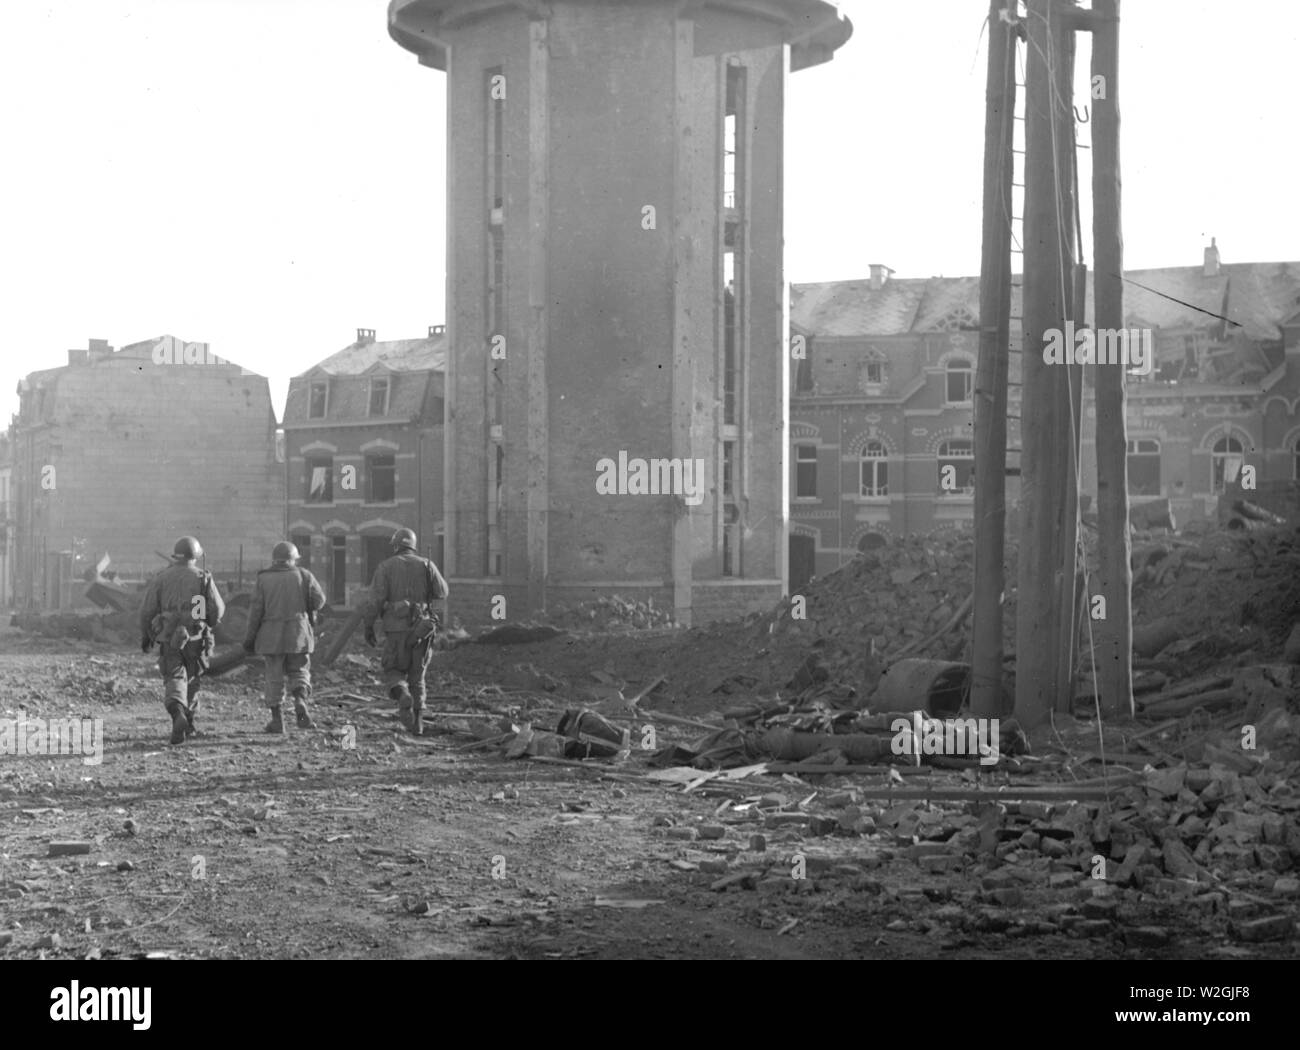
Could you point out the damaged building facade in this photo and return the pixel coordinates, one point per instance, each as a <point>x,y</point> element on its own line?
<point>881,411</point>
<point>616,295</point>
<point>364,442</point>
<point>120,452</point>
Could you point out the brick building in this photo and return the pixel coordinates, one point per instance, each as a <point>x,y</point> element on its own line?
<point>122,452</point>
<point>363,434</point>
<point>615,289</point>
<point>881,405</point>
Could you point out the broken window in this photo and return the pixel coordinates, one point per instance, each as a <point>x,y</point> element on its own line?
<point>382,474</point>
<point>958,454</point>
<point>805,472</point>
<point>874,479</point>
<point>320,479</point>
<point>1226,461</point>
<point>1144,467</point>
<point>960,381</point>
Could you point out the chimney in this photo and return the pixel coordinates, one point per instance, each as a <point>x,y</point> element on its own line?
<point>1211,260</point>
<point>435,330</point>
<point>879,275</point>
<point>98,348</point>
<point>365,336</point>
<point>78,357</point>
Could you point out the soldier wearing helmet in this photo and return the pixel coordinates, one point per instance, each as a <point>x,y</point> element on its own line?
<point>401,597</point>
<point>281,627</point>
<point>181,607</point>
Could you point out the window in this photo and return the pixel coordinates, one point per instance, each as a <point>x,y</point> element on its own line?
<point>959,381</point>
<point>1144,467</point>
<point>871,375</point>
<point>496,472</point>
<point>319,400</point>
<point>320,479</point>
<point>1295,462</point>
<point>729,337</point>
<point>803,380</point>
<point>731,135</point>
<point>494,301</point>
<point>728,469</point>
<point>1226,461</point>
<point>805,472</point>
<point>302,540</point>
<point>957,467</point>
<point>874,471</point>
<point>379,396</point>
<point>730,540</point>
<point>382,473</point>
<point>374,549</point>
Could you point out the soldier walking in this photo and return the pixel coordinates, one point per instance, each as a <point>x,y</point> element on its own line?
<point>181,607</point>
<point>281,627</point>
<point>400,594</point>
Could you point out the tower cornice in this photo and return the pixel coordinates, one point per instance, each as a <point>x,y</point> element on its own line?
<point>814,29</point>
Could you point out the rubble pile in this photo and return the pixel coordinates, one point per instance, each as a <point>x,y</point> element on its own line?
<point>610,612</point>
<point>1253,578</point>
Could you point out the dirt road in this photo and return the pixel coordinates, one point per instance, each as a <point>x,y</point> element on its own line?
<point>357,840</point>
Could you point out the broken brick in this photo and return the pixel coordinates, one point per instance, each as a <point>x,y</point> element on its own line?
<point>1147,937</point>
<point>1269,928</point>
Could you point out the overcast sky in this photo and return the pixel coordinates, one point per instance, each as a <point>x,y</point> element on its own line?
<point>268,175</point>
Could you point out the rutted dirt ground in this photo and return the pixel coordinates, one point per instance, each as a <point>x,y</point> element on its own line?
<point>405,848</point>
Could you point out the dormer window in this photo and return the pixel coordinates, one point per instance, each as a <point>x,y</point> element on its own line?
<point>379,396</point>
<point>871,373</point>
<point>318,399</point>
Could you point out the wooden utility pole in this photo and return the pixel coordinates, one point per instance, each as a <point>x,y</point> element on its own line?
<point>1046,537</point>
<point>1070,583</point>
<point>1114,634</point>
<point>991,373</point>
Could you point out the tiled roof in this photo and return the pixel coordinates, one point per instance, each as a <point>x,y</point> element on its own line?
<point>399,355</point>
<point>1258,297</point>
<point>849,308</point>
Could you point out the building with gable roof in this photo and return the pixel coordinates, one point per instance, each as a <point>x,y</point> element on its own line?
<point>364,456</point>
<point>882,438</point>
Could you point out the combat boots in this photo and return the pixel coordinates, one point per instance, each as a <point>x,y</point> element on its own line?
<point>402,695</point>
<point>300,709</point>
<point>180,723</point>
<point>276,725</point>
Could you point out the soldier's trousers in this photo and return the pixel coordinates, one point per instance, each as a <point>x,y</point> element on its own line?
<point>293,669</point>
<point>181,673</point>
<point>405,664</point>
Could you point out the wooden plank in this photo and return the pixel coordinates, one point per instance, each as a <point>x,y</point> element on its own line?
<point>341,639</point>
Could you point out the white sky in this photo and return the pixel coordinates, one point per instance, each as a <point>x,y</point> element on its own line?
<point>268,175</point>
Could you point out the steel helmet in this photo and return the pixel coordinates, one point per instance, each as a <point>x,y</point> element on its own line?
<point>187,549</point>
<point>284,551</point>
<point>403,538</point>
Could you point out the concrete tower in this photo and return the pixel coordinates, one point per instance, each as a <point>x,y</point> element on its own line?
<point>616,295</point>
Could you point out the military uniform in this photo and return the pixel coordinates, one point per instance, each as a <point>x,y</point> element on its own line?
<point>280,628</point>
<point>400,597</point>
<point>182,626</point>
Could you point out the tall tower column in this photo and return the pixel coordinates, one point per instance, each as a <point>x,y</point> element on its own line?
<point>616,383</point>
